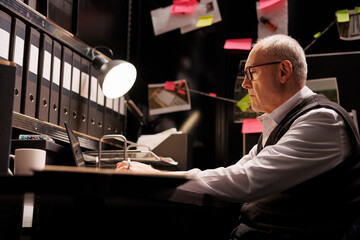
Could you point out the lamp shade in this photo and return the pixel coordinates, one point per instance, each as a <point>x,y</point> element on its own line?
<point>116,77</point>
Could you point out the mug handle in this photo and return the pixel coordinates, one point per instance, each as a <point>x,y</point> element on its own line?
<point>9,171</point>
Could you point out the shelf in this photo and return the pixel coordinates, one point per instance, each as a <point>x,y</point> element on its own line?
<point>30,124</point>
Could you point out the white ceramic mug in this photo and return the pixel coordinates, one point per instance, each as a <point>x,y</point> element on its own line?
<point>26,160</point>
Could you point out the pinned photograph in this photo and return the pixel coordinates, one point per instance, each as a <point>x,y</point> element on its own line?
<point>168,97</point>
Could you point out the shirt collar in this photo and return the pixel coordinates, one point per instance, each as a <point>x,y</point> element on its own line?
<point>280,112</point>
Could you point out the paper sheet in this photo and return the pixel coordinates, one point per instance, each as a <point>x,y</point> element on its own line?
<point>164,21</point>
<point>163,100</point>
<point>205,8</point>
<point>277,15</point>
<point>152,141</point>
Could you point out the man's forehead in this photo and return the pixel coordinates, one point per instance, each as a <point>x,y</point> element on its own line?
<point>254,57</point>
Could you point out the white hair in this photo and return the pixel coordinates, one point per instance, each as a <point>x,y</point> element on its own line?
<point>282,47</point>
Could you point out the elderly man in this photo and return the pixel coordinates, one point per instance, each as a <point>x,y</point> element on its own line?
<point>302,179</point>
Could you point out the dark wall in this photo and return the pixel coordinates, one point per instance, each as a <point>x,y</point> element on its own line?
<point>199,57</point>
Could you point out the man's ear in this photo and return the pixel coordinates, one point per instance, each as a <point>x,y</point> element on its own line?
<point>286,70</point>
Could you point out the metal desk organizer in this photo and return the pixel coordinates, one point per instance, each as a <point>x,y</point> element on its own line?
<point>128,155</point>
<point>116,137</point>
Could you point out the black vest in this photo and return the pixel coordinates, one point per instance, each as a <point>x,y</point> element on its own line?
<point>319,208</point>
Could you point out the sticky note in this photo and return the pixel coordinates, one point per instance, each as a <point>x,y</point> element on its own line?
<point>169,86</point>
<point>241,43</point>
<point>183,6</point>
<point>244,103</point>
<point>182,92</point>
<point>343,15</point>
<point>212,94</point>
<point>251,125</point>
<point>316,35</point>
<point>205,21</point>
<point>181,83</point>
<point>268,3</point>
<point>357,9</point>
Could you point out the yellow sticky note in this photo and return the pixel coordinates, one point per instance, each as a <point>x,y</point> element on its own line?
<point>244,103</point>
<point>205,21</point>
<point>316,35</point>
<point>357,9</point>
<point>343,15</point>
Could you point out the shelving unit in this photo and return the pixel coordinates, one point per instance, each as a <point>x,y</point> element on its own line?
<point>43,24</point>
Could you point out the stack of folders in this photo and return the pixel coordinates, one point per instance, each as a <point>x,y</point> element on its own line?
<point>54,83</point>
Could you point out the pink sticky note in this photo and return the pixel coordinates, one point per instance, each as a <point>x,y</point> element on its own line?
<point>212,94</point>
<point>183,6</point>
<point>181,92</point>
<point>241,44</point>
<point>169,86</point>
<point>268,4</point>
<point>251,125</point>
<point>181,83</point>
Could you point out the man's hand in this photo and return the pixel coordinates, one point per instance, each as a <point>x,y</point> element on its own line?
<point>135,167</point>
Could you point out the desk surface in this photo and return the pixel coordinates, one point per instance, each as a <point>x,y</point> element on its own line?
<point>83,203</point>
<point>66,180</point>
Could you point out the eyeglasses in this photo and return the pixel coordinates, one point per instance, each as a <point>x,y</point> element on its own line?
<point>247,72</point>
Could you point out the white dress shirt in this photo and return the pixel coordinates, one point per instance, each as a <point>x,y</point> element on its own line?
<point>316,142</point>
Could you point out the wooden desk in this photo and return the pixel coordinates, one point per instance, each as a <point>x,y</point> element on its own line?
<point>103,205</point>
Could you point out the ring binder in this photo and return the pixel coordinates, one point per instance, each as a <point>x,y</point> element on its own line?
<point>92,102</point>
<point>55,83</point>
<point>75,90</point>
<point>64,102</point>
<point>17,56</point>
<point>31,73</point>
<point>42,112</point>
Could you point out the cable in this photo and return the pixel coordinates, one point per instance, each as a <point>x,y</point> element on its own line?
<point>207,94</point>
<point>104,47</point>
<point>325,30</point>
<point>129,32</point>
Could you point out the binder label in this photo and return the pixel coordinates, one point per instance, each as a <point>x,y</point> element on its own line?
<point>109,103</point>
<point>67,76</point>
<point>19,51</point>
<point>47,67</point>
<point>34,56</point>
<point>116,105</point>
<point>56,71</point>
<point>4,43</point>
<point>76,80</point>
<point>93,88</point>
<point>100,96</point>
<point>84,90</point>
<point>122,106</point>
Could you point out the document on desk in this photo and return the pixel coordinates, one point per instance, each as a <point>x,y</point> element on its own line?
<point>153,140</point>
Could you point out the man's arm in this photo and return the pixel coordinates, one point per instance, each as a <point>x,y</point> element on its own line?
<point>315,143</point>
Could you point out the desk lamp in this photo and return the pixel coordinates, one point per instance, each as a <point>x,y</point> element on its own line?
<point>116,77</point>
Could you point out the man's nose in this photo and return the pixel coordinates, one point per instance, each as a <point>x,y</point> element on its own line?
<point>246,83</point>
